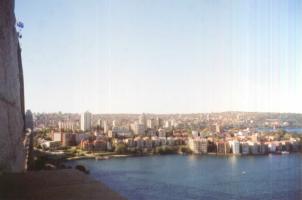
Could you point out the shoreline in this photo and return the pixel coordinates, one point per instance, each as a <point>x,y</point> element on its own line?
<point>116,156</point>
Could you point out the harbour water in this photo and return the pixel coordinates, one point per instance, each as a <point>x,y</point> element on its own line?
<point>289,130</point>
<point>201,177</point>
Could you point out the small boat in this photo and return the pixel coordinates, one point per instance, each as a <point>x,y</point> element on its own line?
<point>284,152</point>
<point>243,172</point>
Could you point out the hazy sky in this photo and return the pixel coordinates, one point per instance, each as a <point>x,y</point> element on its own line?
<point>162,56</point>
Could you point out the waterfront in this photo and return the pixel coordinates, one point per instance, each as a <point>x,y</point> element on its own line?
<point>201,177</point>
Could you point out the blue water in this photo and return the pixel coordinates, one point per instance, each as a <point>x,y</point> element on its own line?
<point>290,130</point>
<point>277,177</point>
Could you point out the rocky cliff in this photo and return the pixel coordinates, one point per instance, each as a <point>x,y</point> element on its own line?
<point>12,156</point>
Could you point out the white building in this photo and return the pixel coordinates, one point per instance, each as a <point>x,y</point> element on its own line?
<point>167,124</point>
<point>115,123</point>
<point>138,129</point>
<point>198,145</point>
<point>120,131</point>
<point>57,136</point>
<point>194,133</point>
<point>51,144</point>
<point>235,146</point>
<point>170,141</point>
<point>66,125</point>
<point>100,122</point>
<point>106,126</point>
<point>124,134</point>
<point>86,121</point>
<point>151,123</point>
<point>158,122</point>
<point>217,127</point>
<point>142,120</point>
<point>272,147</point>
<point>173,123</point>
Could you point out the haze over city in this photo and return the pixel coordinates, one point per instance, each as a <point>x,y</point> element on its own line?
<point>161,56</point>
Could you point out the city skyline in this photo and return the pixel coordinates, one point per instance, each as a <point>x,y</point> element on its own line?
<point>150,99</point>
<point>135,57</point>
<point>154,113</point>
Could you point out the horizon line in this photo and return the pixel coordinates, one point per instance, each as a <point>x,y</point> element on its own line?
<point>174,113</point>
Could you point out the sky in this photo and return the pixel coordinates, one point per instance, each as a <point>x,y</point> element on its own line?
<point>154,56</point>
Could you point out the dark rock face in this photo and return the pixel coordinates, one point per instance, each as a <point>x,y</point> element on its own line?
<point>12,154</point>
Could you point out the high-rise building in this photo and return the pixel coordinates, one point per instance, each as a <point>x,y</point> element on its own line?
<point>158,122</point>
<point>100,123</point>
<point>173,123</point>
<point>151,123</point>
<point>106,126</point>
<point>115,123</point>
<point>167,124</point>
<point>142,119</point>
<point>208,117</point>
<point>86,121</point>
